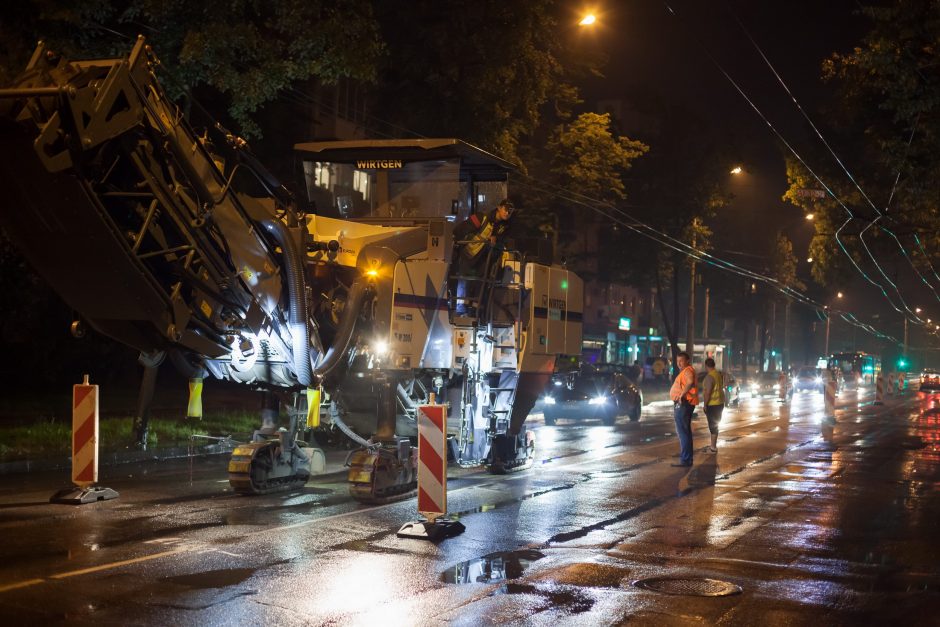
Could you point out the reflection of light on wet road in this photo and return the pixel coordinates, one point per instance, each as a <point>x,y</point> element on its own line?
<point>369,573</point>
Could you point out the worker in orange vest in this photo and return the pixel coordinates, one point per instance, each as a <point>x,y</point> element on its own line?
<point>685,396</point>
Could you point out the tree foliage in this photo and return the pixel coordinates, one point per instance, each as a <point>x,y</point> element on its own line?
<point>783,264</point>
<point>891,86</point>
<point>885,128</point>
<point>248,51</point>
<point>589,159</point>
<point>481,70</point>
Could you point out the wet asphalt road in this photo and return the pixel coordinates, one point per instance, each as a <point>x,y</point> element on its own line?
<point>812,533</point>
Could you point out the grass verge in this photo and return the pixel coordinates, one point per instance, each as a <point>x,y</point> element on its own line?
<point>49,438</point>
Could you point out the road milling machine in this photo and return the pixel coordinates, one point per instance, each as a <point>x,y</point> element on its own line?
<point>180,244</point>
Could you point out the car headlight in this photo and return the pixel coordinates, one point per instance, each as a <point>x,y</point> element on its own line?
<point>598,400</point>
<point>556,382</point>
<point>755,386</point>
<point>818,380</point>
<point>549,400</point>
<point>776,386</point>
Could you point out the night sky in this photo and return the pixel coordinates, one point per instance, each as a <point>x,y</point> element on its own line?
<point>675,58</point>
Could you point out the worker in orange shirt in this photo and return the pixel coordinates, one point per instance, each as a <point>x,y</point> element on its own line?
<point>685,397</point>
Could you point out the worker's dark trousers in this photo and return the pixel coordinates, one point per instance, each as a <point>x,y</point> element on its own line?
<point>683,415</point>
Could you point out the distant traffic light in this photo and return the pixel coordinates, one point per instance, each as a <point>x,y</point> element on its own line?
<point>902,362</point>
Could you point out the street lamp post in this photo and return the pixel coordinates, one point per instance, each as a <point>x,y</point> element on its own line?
<point>828,318</point>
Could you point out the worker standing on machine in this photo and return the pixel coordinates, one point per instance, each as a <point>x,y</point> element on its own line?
<point>477,238</point>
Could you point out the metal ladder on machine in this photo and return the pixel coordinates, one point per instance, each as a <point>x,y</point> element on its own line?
<point>484,310</point>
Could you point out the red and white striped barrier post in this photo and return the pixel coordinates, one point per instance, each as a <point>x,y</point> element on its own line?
<point>891,391</point>
<point>782,385</point>
<point>880,390</point>
<point>432,477</point>
<point>902,383</point>
<point>830,399</point>
<point>829,418</point>
<point>84,450</point>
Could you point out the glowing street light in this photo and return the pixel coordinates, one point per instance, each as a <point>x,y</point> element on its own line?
<point>737,169</point>
<point>917,310</point>
<point>810,216</point>
<point>809,260</point>
<point>839,295</point>
<point>588,20</point>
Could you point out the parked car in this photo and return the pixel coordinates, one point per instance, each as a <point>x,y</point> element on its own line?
<point>591,394</point>
<point>929,379</point>
<point>732,389</point>
<point>765,384</point>
<point>808,379</point>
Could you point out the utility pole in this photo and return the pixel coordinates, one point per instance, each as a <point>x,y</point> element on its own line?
<point>690,332</point>
<point>786,334</point>
<point>826,350</point>
<point>905,338</point>
<point>705,325</point>
<point>773,331</point>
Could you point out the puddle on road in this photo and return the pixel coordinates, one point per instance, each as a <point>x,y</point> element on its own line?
<point>213,578</point>
<point>569,601</point>
<point>492,568</point>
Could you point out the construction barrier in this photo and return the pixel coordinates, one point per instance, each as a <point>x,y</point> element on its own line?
<point>879,390</point>
<point>782,384</point>
<point>84,449</point>
<point>432,477</point>
<point>902,382</point>
<point>891,380</point>
<point>830,399</point>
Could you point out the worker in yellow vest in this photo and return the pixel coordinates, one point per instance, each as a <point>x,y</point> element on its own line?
<point>713,398</point>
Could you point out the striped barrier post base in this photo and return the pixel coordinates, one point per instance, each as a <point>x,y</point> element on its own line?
<point>432,478</point>
<point>84,450</point>
<point>782,387</point>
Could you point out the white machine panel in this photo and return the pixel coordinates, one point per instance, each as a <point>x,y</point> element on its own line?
<point>555,305</point>
<point>420,334</point>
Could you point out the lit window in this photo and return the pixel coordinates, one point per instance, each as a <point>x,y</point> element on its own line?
<point>361,183</point>
<point>321,174</point>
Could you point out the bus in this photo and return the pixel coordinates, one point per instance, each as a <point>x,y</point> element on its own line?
<point>858,369</point>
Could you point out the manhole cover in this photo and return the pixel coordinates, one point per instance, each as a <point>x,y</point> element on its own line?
<point>693,586</point>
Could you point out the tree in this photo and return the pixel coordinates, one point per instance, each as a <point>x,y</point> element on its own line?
<point>589,159</point>
<point>890,85</point>
<point>885,127</point>
<point>486,71</point>
<point>246,51</point>
<point>783,268</point>
<point>679,184</point>
<point>587,162</point>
